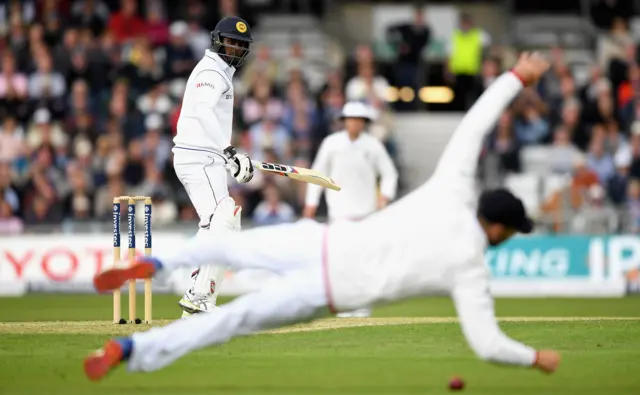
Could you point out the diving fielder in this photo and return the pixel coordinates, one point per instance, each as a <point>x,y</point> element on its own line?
<point>431,241</point>
<point>354,159</point>
<point>202,151</point>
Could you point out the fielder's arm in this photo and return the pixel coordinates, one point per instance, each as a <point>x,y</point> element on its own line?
<point>474,305</point>
<point>457,165</point>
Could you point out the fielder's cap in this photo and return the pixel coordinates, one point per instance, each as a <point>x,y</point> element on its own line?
<point>499,206</point>
<point>356,109</point>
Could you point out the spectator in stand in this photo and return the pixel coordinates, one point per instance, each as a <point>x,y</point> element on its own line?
<point>90,14</point>
<point>505,145</point>
<point>46,85</point>
<point>199,39</point>
<point>409,41</point>
<point>563,153</point>
<point>13,88</point>
<point>18,42</point>
<point>78,202</point>
<point>134,170</point>
<point>62,52</point>
<point>155,101</point>
<point>530,125</point>
<point>613,44</point>
<point>261,67</point>
<point>12,144</point>
<point>627,96</point>
<point>633,207</point>
<point>261,103</point>
<point>617,186</point>
<point>180,57</point>
<point>604,12</point>
<point>157,26</point>
<point>272,210</point>
<point>53,14</point>
<point>45,131</point>
<point>126,24</point>
<point>599,160</point>
<point>268,134</point>
<point>80,101</point>
<point>549,86</point>
<point>634,144</point>
<point>614,141</point>
<point>595,216</point>
<point>367,87</point>
<point>571,120</point>
<point>568,94</point>
<point>156,146</point>
<point>8,191</point>
<point>490,71</point>
<point>127,119</point>
<point>10,224</point>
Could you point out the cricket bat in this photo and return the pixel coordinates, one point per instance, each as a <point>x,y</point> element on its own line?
<point>297,173</point>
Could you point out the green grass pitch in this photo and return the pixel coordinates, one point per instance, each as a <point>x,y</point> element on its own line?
<point>408,348</point>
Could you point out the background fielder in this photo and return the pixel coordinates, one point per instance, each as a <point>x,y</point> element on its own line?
<point>348,265</point>
<point>202,148</point>
<point>354,160</point>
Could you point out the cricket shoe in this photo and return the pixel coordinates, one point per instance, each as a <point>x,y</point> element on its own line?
<point>115,278</point>
<point>101,362</point>
<point>192,303</point>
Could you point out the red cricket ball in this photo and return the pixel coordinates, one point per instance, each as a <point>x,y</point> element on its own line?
<point>456,384</point>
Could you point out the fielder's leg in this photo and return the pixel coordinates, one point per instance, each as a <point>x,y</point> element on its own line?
<point>299,297</point>
<point>280,249</point>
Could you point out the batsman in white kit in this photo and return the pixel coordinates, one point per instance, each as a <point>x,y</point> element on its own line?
<point>431,241</point>
<point>355,160</point>
<point>203,154</point>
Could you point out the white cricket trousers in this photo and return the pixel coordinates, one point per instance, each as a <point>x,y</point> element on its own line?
<point>204,177</point>
<point>293,250</point>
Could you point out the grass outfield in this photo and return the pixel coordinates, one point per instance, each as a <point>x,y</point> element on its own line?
<point>408,348</point>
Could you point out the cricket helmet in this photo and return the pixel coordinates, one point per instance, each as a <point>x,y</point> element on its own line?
<point>234,28</point>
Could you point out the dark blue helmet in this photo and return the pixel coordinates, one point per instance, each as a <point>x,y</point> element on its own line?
<point>236,29</point>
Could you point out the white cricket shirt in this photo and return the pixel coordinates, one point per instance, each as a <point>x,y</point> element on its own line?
<point>430,241</point>
<point>355,165</point>
<point>205,121</point>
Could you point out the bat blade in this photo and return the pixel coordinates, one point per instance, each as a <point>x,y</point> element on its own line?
<point>297,173</point>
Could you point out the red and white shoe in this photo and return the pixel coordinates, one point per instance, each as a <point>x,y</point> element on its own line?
<point>100,363</point>
<point>115,278</point>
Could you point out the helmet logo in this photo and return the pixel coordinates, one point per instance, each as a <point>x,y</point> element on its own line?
<point>241,27</point>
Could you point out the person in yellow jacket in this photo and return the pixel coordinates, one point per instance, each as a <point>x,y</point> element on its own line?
<point>465,60</point>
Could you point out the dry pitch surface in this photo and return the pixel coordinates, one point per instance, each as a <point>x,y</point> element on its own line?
<point>108,328</point>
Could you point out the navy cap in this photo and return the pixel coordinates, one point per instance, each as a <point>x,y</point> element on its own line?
<point>499,206</point>
<point>234,27</point>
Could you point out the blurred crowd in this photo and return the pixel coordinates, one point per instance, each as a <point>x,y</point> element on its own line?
<point>590,130</point>
<point>90,93</point>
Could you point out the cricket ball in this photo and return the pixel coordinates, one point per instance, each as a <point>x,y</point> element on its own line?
<point>456,384</point>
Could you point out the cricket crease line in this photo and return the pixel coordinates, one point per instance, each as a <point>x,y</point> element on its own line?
<point>108,328</point>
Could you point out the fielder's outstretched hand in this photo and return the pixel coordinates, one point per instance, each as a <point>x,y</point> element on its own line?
<point>530,67</point>
<point>547,360</point>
